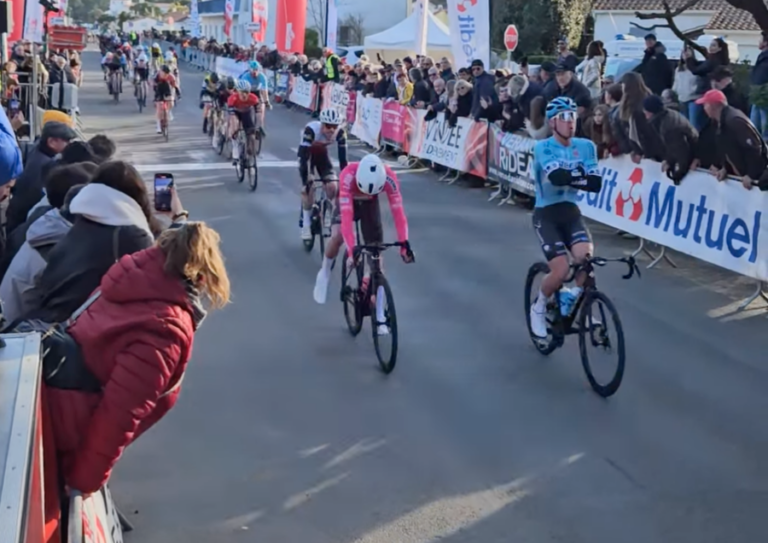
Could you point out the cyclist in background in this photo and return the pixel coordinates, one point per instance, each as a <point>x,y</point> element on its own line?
<point>259,85</point>
<point>241,106</point>
<point>210,88</point>
<point>156,54</point>
<point>359,187</point>
<point>116,65</point>
<point>165,84</point>
<point>318,135</point>
<point>562,166</point>
<point>140,69</point>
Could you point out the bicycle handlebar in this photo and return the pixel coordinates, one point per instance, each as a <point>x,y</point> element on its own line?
<point>628,260</point>
<point>381,246</point>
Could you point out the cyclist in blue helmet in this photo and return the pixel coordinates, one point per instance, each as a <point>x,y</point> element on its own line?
<point>259,86</point>
<point>563,165</point>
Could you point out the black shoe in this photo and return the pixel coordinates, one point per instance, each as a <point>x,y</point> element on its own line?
<point>205,126</point>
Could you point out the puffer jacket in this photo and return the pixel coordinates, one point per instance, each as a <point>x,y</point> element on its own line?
<point>136,339</point>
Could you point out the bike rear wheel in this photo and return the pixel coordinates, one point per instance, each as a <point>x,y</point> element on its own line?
<point>593,328</point>
<point>544,345</point>
<point>351,297</point>
<point>385,345</point>
<point>253,176</point>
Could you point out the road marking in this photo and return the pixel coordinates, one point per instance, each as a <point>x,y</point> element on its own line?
<point>210,166</point>
<point>201,186</point>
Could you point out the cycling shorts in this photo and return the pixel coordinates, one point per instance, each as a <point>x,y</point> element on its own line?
<point>559,227</point>
<point>114,67</point>
<point>141,73</point>
<point>369,215</point>
<point>321,165</point>
<point>246,120</point>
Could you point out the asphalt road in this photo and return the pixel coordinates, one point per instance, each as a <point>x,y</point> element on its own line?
<point>286,430</point>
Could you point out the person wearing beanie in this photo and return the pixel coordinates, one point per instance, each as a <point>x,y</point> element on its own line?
<point>53,115</point>
<point>678,138</point>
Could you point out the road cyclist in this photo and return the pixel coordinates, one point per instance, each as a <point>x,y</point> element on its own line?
<point>156,54</point>
<point>164,85</point>
<point>259,85</point>
<point>141,76</point>
<point>241,105</point>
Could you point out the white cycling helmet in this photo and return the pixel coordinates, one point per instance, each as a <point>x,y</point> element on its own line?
<point>156,45</point>
<point>371,175</point>
<point>330,116</point>
<point>243,86</point>
<point>169,56</point>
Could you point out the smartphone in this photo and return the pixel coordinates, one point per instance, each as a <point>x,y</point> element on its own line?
<point>13,107</point>
<point>163,186</point>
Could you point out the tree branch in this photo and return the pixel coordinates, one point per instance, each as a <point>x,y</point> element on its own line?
<point>756,8</point>
<point>668,15</point>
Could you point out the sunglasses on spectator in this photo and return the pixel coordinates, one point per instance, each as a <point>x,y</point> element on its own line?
<point>567,116</point>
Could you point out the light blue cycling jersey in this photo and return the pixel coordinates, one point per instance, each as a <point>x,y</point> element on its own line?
<point>258,83</point>
<point>548,156</point>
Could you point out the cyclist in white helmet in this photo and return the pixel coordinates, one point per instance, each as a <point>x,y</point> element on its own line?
<point>359,187</point>
<point>313,155</point>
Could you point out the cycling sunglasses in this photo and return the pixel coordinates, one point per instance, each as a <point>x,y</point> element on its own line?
<point>330,126</point>
<point>567,116</point>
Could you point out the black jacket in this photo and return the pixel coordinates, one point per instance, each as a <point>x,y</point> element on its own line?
<point>679,140</point>
<point>656,70</point>
<point>79,261</point>
<point>29,187</point>
<point>17,238</point>
<point>759,74</point>
<point>483,87</point>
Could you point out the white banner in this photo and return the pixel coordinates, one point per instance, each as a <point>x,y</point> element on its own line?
<point>335,96</point>
<point>260,16</point>
<point>441,143</point>
<point>194,19</point>
<point>720,223</point>
<point>34,17</point>
<point>469,22</point>
<point>332,25</point>
<point>229,67</point>
<point>302,92</point>
<point>422,16</point>
<point>367,125</point>
<point>94,519</point>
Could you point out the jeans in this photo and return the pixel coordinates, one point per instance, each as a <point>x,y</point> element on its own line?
<point>759,117</point>
<point>696,115</point>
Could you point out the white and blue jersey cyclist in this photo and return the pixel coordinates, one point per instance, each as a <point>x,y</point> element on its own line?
<point>562,166</point>
<point>255,77</point>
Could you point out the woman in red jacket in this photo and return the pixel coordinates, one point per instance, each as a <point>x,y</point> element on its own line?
<point>136,340</point>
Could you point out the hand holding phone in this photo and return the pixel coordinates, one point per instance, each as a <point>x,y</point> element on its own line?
<point>163,192</point>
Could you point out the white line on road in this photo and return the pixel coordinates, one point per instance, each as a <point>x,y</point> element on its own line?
<point>210,166</point>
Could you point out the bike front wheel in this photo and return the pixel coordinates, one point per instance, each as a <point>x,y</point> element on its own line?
<point>597,314</point>
<point>253,176</point>
<point>384,332</point>
<point>351,297</point>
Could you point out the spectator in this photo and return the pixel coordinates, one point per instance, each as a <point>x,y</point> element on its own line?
<point>438,91</point>
<point>758,79</point>
<point>670,100</point>
<point>29,186</point>
<point>493,112</point>
<point>717,56</point>
<point>463,105</point>
<point>432,74</point>
<point>135,339</point>
<point>565,56</point>
<point>382,85</point>
<point>738,149</point>
<point>446,70</point>
<point>598,129</point>
<point>465,75</point>
<point>408,64</point>
<point>114,219</point>
<point>482,88</point>
<point>633,133</point>
<point>591,69</point>
<point>444,101</point>
<point>372,81</point>
<point>103,147</point>
<point>685,86</point>
<point>404,89</point>
<point>548,80</point>
<point>421,91</point>
<point>678,137</point>
<point>537,126</point>
<point>655,68</point>
<point>18,289</point>
<point>722,80</point>
<point>10,155</point>
<point>427,63</point>
<point>567,85</point>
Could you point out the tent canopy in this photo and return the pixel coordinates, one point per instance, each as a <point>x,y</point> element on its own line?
<point>402,36</point>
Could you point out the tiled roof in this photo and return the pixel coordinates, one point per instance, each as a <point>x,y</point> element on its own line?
<point>725,16</point>
<point>730,18</point>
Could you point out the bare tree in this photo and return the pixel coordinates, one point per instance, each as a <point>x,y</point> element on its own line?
<point>316,10</point>
<point>354,24</point>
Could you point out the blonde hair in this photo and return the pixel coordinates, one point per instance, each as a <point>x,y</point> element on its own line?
<point>461,84</point>
<point>192,252</point>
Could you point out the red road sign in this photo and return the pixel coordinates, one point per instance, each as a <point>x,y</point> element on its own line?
<point>511,38</point>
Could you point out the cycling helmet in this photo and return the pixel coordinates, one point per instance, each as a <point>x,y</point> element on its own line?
<point>371,175</point>
<point>254,65</point>
<point>230,82</point>
<point>155,45</point>
<point>243,86</point>
<point>214,78</point>
<point>558,105</point>
<point>126,45</point>
<point>330,116</point>
<point>166,69</point>
<point>169,56</point>
<point>142,58</point>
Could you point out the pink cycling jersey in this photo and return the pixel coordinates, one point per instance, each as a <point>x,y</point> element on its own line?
<point>348,193</point>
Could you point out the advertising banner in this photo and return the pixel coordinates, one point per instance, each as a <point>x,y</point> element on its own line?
<point>259,17</point>
<point>720,223</point>
<point>194,19</point>
<point>331,25</point>
<point>469,22</point>
<point>229,67</point>
<point>302,92</point>
<point>94,519</point>
<point>460,147</point>
<point>229,13</point>
<point>367,126</point>
<point>34,19</point>
<point>290,25</point>
<point>282,82</point>
<point>335,96</point>
<point>393,124</point>
<point>509,159</point>
<point>351,108</point>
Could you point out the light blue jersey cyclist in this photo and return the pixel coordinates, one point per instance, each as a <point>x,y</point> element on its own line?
<point>255,77</point>
<point>562,166</point>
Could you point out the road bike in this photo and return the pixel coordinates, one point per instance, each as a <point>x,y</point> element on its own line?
<point>589,317</point>
<point>246,164</point>
<point>141,94</point>
<point>116,84</point>
<point>359,295</point>
<point>165,118</point>
<point>322,216</point>
<point>208,112</point>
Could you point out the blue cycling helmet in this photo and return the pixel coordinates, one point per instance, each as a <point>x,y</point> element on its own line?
<point>254,65</point>
<point>558,105</point>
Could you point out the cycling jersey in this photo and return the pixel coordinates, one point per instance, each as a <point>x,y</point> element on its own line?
<point>550,155</point>
<point>157,52</point>
<point>313,134</point>
<point>164,87</point>
<point>258,83</point>
<point>238,104</point>
<point>349,194</point>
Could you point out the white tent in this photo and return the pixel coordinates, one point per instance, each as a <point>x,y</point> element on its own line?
<point>400,40</point>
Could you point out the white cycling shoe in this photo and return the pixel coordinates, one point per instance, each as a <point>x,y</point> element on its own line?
<point>539,320</point>
<point>306,232</point>
<point>321,286</point>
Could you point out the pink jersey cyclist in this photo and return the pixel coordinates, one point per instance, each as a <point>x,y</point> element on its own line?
<point>354,204</point>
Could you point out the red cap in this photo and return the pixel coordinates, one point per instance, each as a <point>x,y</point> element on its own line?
<point>713,96</point>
